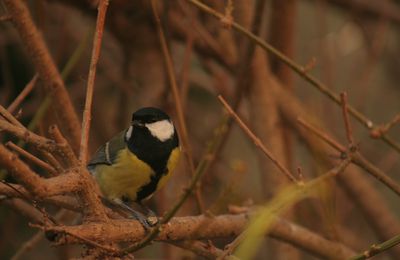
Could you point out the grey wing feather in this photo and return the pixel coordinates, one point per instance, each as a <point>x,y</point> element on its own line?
<point>107,153</point>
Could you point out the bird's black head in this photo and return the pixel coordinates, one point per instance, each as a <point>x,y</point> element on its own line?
<point>148,115</point>
<point>150,123</point>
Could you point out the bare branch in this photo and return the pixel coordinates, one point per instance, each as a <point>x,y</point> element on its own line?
<point>202,227</point>
<point>24,93</point>
<point>101,16</point>
<point>45,67</point>
<point>257,141</point>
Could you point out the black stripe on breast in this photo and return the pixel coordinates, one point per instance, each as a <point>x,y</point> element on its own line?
<point>153,152</point>
<point>149,188</point>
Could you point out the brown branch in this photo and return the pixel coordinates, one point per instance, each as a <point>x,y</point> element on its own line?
<point>378,131</point>
<point>177,101</point>
<point>71,181</point>
<point>28,136</point>
<point>393,122</point>
<point>68,182</point>
<point>45,67</point>
<point>282,35</point>
<point>357,158</point>
<point>64,149</point>
<point>349,132</point>
<point>9,117</point>
<point>58,185</point>
<point>206,250</point>
<point>92,243</point>
<point>28,245</point>
<point>311,242</point>
<point>24,93</point>
<point>89,199</point>
<point>325,137</point>
<point>24,208</point>
<point>202,227</point>
<point>32,158</point>
<point>369,167</point>
<point>51,160</point>
<point>5,17</point>
<point>101,15</point>
<point>205,42</point>
<point>377,249</point>
<point>17,191</point>
<point>36,238</point>
<point>257,141</point>
<point>185,68</point>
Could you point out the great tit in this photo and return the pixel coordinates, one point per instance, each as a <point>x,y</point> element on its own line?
<point>138,161</point>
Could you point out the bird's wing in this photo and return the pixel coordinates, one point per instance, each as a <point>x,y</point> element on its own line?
<point>108,152</point>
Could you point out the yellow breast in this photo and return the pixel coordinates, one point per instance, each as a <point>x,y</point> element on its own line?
<point>129,174</point>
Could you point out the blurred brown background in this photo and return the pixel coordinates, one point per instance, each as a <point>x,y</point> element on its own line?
<point>349,45</point>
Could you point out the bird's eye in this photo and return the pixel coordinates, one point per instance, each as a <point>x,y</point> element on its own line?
<point>137,123</point>
<point>152,119</point>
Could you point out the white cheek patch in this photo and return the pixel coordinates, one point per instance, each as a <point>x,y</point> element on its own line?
<point>128,133</point>
<point>162,130</point>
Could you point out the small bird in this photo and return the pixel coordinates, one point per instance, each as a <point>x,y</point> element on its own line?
<point>138,161</point>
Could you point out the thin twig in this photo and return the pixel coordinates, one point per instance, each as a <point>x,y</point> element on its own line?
<point>10,118</point>
<point>177,100</point>
<point>32,158</point>
<point>91,242</point>
<point>356,158</point>
<point>206,250</point>
<point>36,185</point>
<point>300,71</point>
<point>257,141</point>
<point>28,136</point>
<point>29,244</point>
<point>185,70</point>
<point>44,214</point>
<point>369,167</point>
<point>52,161</point>
<point>24,93</point>
<point>379,130</point>
<point>393,122</point>
<point>322,135</point>
<point>60,201</point>
<point>232,246</point>
<point>5,17</point>
<point>101,15</point>
<point>349,132</point>
<point>64,149</point>
<point>377,249</point>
